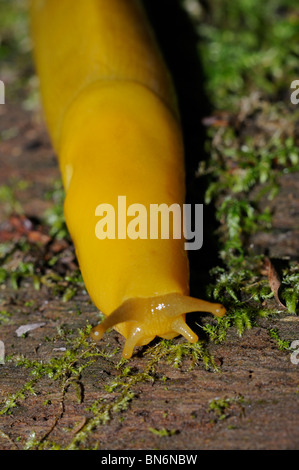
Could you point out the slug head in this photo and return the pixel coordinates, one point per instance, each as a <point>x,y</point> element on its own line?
<point>139,320</point>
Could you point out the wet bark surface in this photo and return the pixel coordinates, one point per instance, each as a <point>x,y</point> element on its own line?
<point>254,389</point>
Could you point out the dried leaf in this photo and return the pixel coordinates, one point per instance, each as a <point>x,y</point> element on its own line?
<point>215,121</point>
<point>35,236</point>
<point>19,226</point>
<point>274,281</point>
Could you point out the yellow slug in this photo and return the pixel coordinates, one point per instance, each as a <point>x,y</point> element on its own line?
<point>111,112</point>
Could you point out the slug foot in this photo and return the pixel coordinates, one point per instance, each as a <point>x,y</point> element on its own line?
<point>140,320</point>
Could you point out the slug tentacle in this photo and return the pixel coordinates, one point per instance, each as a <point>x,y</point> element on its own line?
<point>137,338</point>
<point>139,320</point>
<point>121,315</point>
<point>180,326</point>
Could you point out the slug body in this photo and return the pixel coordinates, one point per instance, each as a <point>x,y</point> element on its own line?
<point>112,116</point>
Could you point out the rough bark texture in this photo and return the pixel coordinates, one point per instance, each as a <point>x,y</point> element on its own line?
<point>257,382</point>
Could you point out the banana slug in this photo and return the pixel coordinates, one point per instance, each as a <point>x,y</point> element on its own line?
<point>113,119</point>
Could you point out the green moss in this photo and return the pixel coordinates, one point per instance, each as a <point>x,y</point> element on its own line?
<point>123,385</point>
<point>4,317</point>
<point>244,168</point>
<point>247,295</point>
<point>246,158</point>
<point>238,37</point>
<point>175,353</point>
<point>54,217</point>
<point>65,369</point>
<point>8,195</point>
<point>13,400</point>
<point>238,175</point>
<point>163,432</point>
<point>81,353</point>
<point>282,344</point>
<point>290,286</point>
<point>221,407</point>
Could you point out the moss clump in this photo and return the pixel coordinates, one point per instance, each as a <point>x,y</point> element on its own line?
<point>251,143</point>
<point>122,386</point>
<point>290,286</point>
<point>238,37</point>
<point>221,407</point>
<point>248,296</point>
<point>4,317</point>
<point>54,217</point>
<point>163,432</point>
<point>174,354</point>
<point>281,343</point>
<point>67,369</point>
<point>239,174</point>
<point>81,354</point>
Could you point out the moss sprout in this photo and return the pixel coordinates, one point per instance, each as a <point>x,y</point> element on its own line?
<point>222,407</point>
